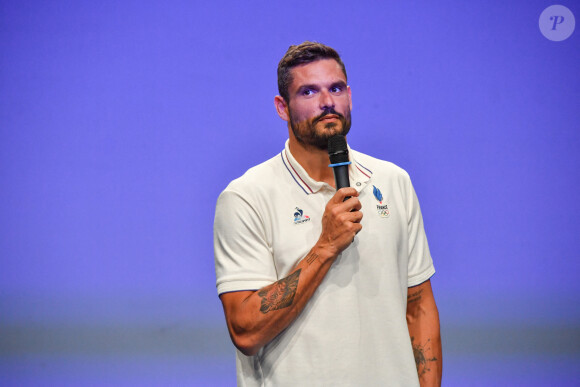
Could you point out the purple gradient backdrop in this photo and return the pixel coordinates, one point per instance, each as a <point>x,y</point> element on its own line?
<point>120,123</point>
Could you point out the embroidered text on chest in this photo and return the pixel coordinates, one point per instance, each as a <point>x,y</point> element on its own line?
<point>382,209</point>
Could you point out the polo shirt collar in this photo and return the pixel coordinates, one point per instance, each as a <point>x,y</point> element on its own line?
<point>357,173</point>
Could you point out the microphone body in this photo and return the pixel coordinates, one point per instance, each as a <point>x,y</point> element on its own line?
<point>341,176</point>
<point>338,155</point>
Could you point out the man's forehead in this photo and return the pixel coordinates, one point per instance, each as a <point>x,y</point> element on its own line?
<point>327,70</point>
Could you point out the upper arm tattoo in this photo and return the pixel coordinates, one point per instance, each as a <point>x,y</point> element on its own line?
<point>414,296</point>
<point>280,294</point>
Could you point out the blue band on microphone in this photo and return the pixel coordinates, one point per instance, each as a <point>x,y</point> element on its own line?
<point>338,164</point>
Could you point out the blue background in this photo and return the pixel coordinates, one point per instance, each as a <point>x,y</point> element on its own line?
<point>121,122</point>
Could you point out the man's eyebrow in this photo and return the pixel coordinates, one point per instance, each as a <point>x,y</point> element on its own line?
<point>307,87</point>
<point>338,83</point>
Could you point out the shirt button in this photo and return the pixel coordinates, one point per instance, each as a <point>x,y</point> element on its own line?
<point>358,183</point>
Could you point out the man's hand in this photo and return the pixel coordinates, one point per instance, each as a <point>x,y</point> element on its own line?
<point>340,222</point>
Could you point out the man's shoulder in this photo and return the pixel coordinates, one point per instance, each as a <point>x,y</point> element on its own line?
<point>257,177</point>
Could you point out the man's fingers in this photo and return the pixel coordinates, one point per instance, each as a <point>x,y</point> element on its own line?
<point>341,205</point>
<point>342,193</point>
<point>355,216</point>
<point>341,220</point>
<point>352,204</point>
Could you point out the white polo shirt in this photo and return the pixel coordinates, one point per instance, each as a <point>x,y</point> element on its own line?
<point>353,331</point>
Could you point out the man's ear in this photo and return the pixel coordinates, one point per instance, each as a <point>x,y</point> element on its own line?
<point>349,97</point>
<point>282,108</point>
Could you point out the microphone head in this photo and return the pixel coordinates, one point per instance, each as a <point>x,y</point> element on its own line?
<point>337,149</point>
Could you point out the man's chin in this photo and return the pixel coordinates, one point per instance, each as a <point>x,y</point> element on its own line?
<point>328,129</point>
<point>320,133</point>
<point>332,129</point>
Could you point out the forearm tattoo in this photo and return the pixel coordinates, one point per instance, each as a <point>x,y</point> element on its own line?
<point>422,361</point>
<point>280,294</point>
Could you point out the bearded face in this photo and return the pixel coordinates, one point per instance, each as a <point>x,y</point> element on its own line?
<point>316,131</point>
<point>318,105</point>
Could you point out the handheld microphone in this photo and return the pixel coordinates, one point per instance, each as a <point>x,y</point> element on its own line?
<point>338,154</point>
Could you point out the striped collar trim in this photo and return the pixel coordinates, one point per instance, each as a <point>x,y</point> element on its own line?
<point>357,172</point>
<point>292,170</point>
<point>365,171</point>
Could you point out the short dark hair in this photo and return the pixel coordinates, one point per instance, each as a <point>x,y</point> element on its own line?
<point>303,53</point>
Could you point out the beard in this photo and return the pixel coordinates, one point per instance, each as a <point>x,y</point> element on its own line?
<point>314,133</point>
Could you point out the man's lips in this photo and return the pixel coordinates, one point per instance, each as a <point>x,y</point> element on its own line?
<point>328,117</point>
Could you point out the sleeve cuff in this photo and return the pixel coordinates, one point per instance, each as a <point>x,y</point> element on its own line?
<point>422,277</point>
<point>237,286</point>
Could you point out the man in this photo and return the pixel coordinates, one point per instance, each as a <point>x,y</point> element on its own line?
<point>313,292</point>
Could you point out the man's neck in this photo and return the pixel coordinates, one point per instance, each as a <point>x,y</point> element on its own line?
<point>315,161</point>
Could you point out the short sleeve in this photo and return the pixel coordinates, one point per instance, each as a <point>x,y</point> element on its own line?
<point>243,257</point>
<point>420,264</point>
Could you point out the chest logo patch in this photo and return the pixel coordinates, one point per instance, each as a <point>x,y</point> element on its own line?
<point>299,216</point>
<point>382,209</point>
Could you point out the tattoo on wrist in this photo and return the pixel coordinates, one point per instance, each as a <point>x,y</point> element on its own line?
<point>422,361</point>
<point>280,294</point>
<point>414,297</point>
<point>311,257</point>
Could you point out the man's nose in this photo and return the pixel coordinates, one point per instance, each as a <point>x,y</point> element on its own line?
<point>326,101</point>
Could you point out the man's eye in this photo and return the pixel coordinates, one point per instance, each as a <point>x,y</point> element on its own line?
<point>307,92</point>
<point>335,89</point>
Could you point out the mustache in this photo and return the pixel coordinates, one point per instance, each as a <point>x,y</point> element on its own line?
<point>328,112</point>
